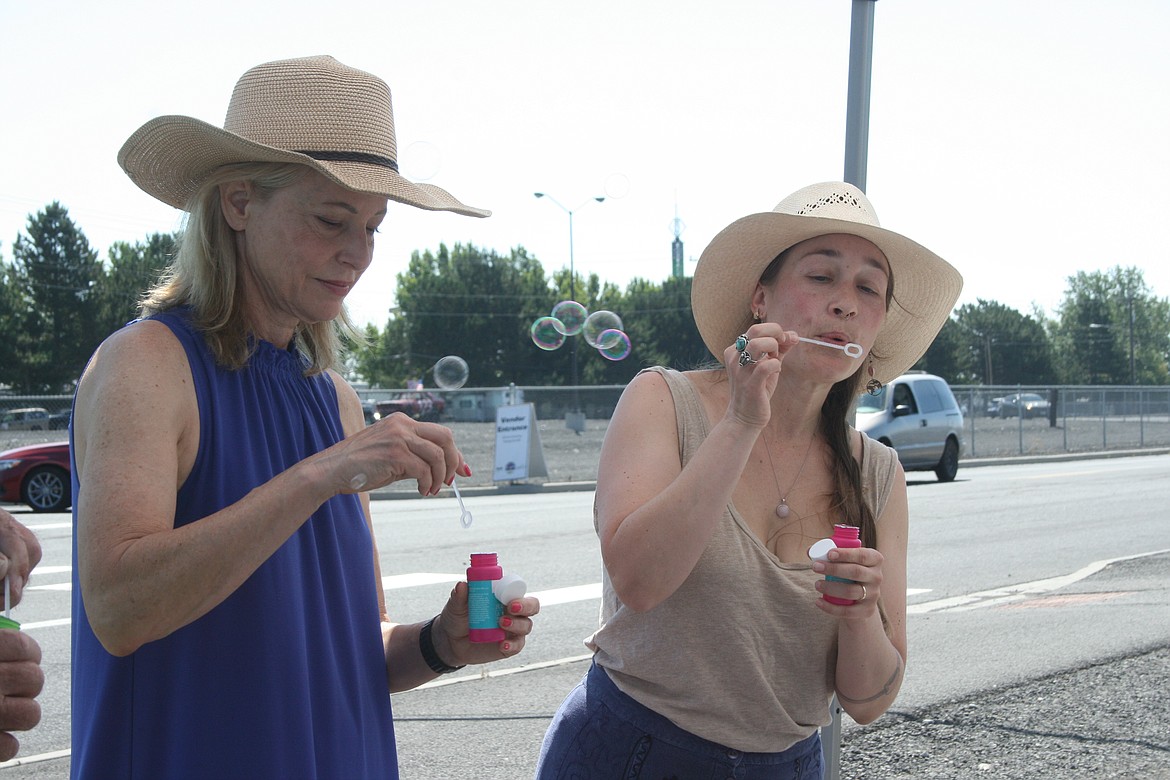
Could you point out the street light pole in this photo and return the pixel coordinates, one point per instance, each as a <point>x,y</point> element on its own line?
<point>1132,366</point>
<point>1111,326</point>
<point>572,279</point>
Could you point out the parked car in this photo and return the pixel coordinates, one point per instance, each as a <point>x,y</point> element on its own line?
<point>1032,404</point>
<point>421,405</point>
<point>59,421</point>
<point>31,419</point>
<point>37,475</point>
<point>918,416</point>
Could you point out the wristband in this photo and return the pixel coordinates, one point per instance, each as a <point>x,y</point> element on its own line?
<point>427,646</point>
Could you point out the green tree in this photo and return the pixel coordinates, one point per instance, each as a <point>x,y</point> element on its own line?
<point>14,338</point>
<point>1111,329</point>
<point>950,356</point>
<point>131,270</point>
<point>1002,346</point>
<point>661,327</point>
<point>478,305</point>
<point>52,303</point>
<point>379,360</point>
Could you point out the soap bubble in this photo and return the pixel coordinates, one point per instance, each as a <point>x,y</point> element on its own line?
<point>451,372</point>
<point>546,333</point>
<point>617,344</point>
<point>597,324</point>
<point>571,315</point>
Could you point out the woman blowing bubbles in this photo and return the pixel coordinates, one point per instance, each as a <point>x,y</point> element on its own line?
<point>228,614</point>
<point>716,652</point>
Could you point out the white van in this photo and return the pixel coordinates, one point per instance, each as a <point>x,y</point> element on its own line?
<point>917,415</point>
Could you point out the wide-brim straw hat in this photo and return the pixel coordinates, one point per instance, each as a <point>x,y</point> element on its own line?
<point>926,287</point>
<point>314,111</point>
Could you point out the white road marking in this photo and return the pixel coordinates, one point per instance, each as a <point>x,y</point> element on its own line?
<point>996,596</point>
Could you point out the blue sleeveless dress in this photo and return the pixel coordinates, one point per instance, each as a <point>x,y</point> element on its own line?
<point>287,677</point>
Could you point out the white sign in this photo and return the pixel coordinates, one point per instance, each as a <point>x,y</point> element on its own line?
<point>519,454</point>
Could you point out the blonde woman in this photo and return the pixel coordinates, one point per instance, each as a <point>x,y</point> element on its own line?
<point>228,615</point>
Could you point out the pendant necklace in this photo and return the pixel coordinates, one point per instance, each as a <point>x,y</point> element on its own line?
<point>782,509</point>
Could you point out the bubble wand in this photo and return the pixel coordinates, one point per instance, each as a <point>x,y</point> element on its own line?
<point>465,517</point>
<point>851,349</point>
<point>6,621</point>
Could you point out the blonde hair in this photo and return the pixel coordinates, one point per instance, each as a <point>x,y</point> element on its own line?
<point>205,275</point>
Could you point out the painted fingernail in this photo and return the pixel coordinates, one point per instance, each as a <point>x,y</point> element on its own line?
<point>506,622</point>
<point>515,607</point>
<point>507,646</point>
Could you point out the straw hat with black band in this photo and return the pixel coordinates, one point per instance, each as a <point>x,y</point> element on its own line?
<point>926,287</point>
<point>314,111</point>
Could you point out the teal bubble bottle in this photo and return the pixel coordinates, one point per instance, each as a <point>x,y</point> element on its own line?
<point>484,610</point>
<point>844,536</point>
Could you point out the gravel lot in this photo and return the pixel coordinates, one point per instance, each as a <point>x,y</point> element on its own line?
<point>1106,720</point>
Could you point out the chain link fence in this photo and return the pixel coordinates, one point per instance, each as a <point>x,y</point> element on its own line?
<point>999,421</point>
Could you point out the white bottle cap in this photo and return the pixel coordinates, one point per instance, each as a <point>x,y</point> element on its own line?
<point>508,588</point>
<point>820,550</point>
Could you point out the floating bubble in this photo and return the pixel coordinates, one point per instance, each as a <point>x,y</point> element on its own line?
<point>617,344</point>
<point>571,315</point>
<point>420,161</point>
<point>547,334</point>
<point>598,323</point>
<point>451,372</point>
<point>617,185</point>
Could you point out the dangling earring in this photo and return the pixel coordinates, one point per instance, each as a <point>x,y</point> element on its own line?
<point>873,386</point>
<point>757,316</point>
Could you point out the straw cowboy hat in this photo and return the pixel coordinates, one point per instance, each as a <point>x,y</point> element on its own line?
<point>315,111</point>
<point>925,286</point>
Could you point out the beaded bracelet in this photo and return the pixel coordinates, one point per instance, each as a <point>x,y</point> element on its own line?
<point>427,646</point>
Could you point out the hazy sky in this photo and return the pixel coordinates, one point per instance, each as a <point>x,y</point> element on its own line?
<point>1024,141</point>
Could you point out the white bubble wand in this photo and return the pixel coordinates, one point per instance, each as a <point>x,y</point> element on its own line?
<point>851,349</point>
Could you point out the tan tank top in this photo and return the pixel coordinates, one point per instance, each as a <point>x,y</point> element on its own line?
<point>739,654</point>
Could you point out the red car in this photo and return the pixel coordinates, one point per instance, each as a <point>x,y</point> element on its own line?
<point>37,475</point>
<point>419,404</point>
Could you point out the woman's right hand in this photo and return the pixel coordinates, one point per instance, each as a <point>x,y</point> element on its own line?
<point>392,449</point>
<point>753,383</point>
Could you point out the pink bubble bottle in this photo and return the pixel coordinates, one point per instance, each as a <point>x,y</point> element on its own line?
<point>484,610</point>
<point>843,536</point>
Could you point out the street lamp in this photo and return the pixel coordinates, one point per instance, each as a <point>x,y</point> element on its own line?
<point>1108,326</point>
<point>572,278</point>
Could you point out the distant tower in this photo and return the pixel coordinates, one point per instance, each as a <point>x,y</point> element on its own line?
<point>676,246</point>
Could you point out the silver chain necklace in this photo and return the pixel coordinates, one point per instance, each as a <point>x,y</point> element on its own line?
<point>782,509</point>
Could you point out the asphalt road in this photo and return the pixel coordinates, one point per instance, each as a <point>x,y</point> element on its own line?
<point>1039,634</point>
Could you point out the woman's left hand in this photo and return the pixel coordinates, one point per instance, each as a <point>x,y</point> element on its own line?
<point>450,634</point>
<point>863,567</point>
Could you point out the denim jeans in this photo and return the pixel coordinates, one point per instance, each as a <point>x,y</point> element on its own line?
<point>600,733</point>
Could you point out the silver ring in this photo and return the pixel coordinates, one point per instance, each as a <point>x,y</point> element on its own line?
<point>863,594</point>
<point>741,342</point>
<point>746,359</point>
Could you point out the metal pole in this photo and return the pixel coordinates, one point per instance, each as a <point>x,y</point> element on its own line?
<point>573,296</point>
<point>857,113</point>
<point>1132,367</point>
<point>856,159</point>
